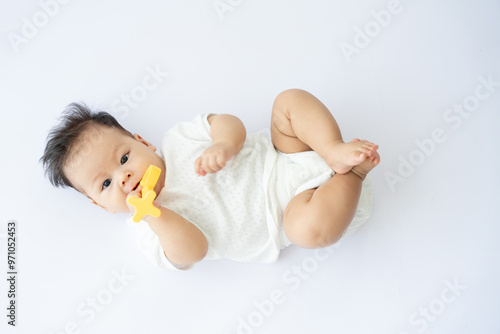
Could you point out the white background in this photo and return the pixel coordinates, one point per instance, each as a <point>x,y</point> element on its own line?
<point>436,226</point>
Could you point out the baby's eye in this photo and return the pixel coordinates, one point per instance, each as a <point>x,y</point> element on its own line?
<point>124,159</point>
<point>106,184</point>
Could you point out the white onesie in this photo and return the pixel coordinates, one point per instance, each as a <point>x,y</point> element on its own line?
<point>240,208</point>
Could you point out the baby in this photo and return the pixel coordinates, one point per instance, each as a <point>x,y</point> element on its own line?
<point>221,193</point>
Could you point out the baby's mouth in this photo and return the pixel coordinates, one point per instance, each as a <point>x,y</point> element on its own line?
<point>137,185</point>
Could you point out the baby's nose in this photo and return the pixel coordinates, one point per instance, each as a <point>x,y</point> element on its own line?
<point>125,178</point>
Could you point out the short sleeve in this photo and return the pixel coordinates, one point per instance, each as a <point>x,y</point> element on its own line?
<point>197,129</point>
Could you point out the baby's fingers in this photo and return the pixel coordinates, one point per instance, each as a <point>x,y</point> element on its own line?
<point>202,166</point>
<point>136,193</point>
<point>197,167</point>
<point>221,161</point>
<point>210,164</point>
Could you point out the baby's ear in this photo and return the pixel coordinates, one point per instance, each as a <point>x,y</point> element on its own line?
<point>99,205</point>
<point>145,142</point>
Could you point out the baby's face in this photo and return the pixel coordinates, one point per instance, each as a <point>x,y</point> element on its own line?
<point>109,165</point>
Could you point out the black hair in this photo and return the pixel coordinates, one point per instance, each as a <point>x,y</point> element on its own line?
<point>75,120</point>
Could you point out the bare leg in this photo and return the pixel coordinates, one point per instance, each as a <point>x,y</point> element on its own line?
<point>318,217</point>
<point>300,122</point>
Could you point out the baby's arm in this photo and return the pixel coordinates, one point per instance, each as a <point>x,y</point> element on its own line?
<point>228,135</point>
<point>182,242</point>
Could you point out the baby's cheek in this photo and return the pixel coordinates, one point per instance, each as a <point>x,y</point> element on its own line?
<point>127,208</point>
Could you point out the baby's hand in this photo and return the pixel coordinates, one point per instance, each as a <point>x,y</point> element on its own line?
<point>136,193</point>
<point>213,159</point>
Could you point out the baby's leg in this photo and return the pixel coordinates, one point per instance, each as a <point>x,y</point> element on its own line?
<point>300,122</point>
<point>318,217</point>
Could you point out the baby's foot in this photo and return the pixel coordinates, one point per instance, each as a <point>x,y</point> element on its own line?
<point>342,157</point>
<point>367,165</point>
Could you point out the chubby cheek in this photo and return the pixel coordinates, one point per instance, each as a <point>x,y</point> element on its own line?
<point>116,203</point>
<point>121,204</point>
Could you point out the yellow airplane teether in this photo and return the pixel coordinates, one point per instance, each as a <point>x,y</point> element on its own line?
<point>144,206</point>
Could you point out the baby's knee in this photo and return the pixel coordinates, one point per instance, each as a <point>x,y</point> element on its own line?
<point>314,232</point>
<point>291,93</point>
<point>288,97</point>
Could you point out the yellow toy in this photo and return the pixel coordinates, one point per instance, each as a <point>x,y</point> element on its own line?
<point>144,206</point>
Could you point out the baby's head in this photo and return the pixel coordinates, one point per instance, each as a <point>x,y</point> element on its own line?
<point>92,153</point>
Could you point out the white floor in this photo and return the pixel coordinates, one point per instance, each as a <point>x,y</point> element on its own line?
<point>420,78</point>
